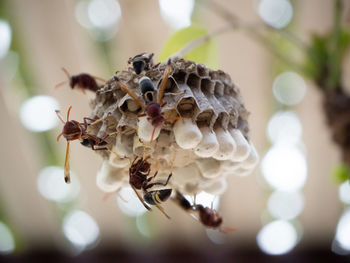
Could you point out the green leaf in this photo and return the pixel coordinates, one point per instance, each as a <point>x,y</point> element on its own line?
<point>207,53</point>
<point>318,57</point>
<point>341,173</point>
<point>344,41</point>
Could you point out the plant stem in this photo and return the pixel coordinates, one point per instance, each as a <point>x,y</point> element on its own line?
<point>202,40</point>
<point>253,32</point>
<point>334,78</point>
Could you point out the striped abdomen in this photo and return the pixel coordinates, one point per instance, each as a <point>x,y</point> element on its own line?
<point>157,197</point>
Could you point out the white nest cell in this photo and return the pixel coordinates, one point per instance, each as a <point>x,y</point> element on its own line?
<point>124,145</point>
<point>217,187</point>
<point>146,129</point>
<point>252,160</point>
<point>242,146</point>
<point>227,146</point>
<point>109,178</point>
<point>209,167</point>
<point>187,133</point>
<point>208,145</point>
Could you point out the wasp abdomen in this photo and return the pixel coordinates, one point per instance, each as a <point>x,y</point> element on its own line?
<point>147,88</point>
<point>157,197</point>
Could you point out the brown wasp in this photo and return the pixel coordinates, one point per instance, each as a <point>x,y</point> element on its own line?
<point>141,62</point>
<point>208,217</point>
<point>153,107</point>
<point>82,81</point>
<point>139,180</point>
<point>73,130</point>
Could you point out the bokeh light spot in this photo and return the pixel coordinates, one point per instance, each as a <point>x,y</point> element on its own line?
<point>289,88</point>
<point>131,206</point>
<point>143,226</point>
<point>277,238</point>
<point>177,13</point>
<point>5,38</point>
<point>81,14</point>
<point>285,205</point>
<point>284,168</point>
<point>80,229</point>
<point>37,114</point>
<point>344,192</point>
<point>284,127</point>
<point>343,231</point>
<point>276,13</point>
<point>104,13</point>
<point>7,242</point>
<point>52,186</point>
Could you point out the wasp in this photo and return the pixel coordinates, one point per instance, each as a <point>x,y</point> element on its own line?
<point>208,217</point>
<point>141,62</point>
<point>139,179</point>
<point>82,81</point>
<point>73,130</point>
<point>152,106</point>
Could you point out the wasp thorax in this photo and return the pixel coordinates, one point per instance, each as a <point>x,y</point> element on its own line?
<point>198,118</point>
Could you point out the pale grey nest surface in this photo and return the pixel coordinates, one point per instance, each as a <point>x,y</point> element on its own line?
<point>209,143</point>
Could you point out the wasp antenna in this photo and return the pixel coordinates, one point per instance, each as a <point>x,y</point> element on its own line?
<point>163,84</point>
<point>150,57</point>
<point>59,136</point>
<point>131,93</point>
<point>68,112</point>
<point>66,72</point>
<point>59,116</point>
<point>225,230</point>
<point>60,84</point>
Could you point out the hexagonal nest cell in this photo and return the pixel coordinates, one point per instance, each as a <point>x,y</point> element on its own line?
<point>210,142</point>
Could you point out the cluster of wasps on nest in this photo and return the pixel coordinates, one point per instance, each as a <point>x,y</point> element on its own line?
<point>140,177</point>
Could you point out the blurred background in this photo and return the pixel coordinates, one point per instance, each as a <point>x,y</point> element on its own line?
<point>293,207</point>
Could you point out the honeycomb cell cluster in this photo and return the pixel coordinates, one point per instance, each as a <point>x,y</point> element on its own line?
<point>209,143</point>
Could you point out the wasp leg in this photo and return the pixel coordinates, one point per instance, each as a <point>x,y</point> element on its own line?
<point>141,200</point>
<point>158,183</point>
<point>161,209</point>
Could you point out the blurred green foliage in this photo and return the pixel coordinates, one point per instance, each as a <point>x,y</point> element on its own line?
<point>206,53</point>
<point>325,57</point>
<point>341,173</point>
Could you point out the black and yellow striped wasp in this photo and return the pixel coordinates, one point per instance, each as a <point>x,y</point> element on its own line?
<point>139,179</point>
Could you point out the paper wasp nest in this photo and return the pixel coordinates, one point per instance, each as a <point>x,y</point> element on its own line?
<point>208,144</point>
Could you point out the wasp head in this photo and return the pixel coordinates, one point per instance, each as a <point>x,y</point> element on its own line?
<point>72,130</point>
